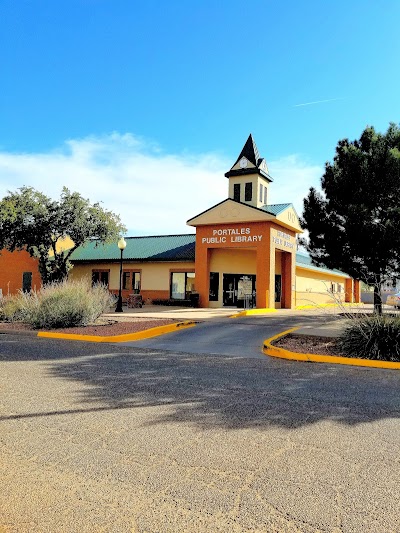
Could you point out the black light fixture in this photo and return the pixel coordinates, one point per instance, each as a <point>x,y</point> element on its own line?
<point>121,246</point>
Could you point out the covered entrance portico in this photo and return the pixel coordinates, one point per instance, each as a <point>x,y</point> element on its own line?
<point>244,239</point>
<point>229,272</point>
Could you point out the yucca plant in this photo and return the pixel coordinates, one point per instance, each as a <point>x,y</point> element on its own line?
<point>374,337</point>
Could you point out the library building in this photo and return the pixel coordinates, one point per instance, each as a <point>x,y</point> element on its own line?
<point>243,254</point>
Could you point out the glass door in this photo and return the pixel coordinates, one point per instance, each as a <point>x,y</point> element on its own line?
<point>230,290</point>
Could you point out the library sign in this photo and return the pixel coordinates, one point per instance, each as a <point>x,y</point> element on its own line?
<point>231,235</point>
<point>282,239</point>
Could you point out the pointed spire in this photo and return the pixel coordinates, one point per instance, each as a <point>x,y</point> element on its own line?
<point>251,154</point>
<point>250,151</point>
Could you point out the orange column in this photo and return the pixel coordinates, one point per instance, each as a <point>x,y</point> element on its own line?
<point>357,291</point>
<point>265,291</point>
<point>202,273</point>
<point>348,287</point>
<point>288,280</point>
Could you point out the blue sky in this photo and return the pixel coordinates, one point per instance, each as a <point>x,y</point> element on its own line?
<point>113,97</point>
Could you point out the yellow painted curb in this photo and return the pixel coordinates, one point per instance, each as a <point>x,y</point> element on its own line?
<point>275,351</point>
<point>319,306</point>
<point>252,312</point>
<point>127,337</point>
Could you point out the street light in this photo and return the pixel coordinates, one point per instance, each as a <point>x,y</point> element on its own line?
<point>121,246</point>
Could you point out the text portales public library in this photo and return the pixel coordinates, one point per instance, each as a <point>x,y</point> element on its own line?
<point>243,253</point>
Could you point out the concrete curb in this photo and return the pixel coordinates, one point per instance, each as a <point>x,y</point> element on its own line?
<point>127,337</point>
<point>281,353</point>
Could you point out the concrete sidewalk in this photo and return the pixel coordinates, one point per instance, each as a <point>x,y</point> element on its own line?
<point>200,313</point>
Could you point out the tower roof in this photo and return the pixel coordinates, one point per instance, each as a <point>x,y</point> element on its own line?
<point>251,153</point>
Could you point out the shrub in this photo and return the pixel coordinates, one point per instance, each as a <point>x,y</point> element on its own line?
<point>375,337</point>
<point>60,305</point>
<point>15,308</point>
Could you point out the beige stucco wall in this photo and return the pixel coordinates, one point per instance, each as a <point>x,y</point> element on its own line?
<point>241,261</point>
<point>313,287</point>
<point>256,180</point>
<point>155,276</point>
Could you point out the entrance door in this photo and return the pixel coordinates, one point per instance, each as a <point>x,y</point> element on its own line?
<point>230,289</point>
<point>239,290</point>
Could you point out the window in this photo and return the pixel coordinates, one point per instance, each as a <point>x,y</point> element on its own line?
<point>182,285</point>
<point>27,281</point>
<point>265,195</point>
<point>236,192</point>
<point>131,281</point>
<point>100,276</point>
<point>214,287</point>
<point>248,192</point>
<point>261,193</point>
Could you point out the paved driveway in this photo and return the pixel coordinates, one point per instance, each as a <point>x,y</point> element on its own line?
<point>107,438</point>
<point>242,337</point>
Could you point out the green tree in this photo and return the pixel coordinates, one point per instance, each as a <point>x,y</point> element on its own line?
<point>30,220</point>
<point>354,225</point>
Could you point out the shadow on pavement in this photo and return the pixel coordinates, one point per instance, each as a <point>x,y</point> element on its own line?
<point>217,391</point>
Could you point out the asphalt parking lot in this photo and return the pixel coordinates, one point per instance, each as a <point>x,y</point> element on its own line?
<point>111,438</point>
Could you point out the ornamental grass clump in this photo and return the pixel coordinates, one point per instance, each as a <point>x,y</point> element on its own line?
<point>15,308</point>
<point>68,304</point>
<point>375,337</point>
<point>58,305</point>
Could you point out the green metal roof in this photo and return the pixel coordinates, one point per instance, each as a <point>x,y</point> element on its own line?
<point>155,248</point>
<point>275,209</point>
<point>304,261</point>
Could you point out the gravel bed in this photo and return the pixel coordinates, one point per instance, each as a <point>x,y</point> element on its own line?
<point>308,344</point>
<point>102,328</point>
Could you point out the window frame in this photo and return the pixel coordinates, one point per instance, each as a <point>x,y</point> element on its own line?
<point>180,271</point>
<point>236,192</point>
<point>248,191</point>
<point>101,271</point>
<point>133,271</point>
<point>215,284</point>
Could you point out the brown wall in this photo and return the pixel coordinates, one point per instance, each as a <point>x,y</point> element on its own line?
<point>12,266</point>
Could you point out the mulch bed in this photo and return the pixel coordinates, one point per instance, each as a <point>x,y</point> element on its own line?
<point>102,328</point>
<point>308,344</point>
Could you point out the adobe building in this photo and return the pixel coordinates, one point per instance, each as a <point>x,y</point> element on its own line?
<point>243,254</point>
<point>18,271</point>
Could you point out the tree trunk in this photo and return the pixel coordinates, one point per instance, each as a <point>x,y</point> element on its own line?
<point>43,271</point>
<point>377,300</point>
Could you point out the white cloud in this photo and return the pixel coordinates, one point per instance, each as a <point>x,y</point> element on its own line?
<point>293,178</point>
<point>153,192</point>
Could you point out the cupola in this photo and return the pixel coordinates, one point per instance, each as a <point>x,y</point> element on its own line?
<point>248,177</point>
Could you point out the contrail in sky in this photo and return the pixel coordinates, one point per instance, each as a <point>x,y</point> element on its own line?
<point>318,102</point>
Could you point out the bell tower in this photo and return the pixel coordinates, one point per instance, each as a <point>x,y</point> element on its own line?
<point>248,177</point>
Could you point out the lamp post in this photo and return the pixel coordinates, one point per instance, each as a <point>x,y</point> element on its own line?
<point>121,246</point>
